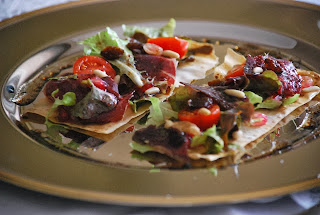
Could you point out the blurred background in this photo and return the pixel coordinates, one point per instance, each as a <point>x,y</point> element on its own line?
<point>10,8</point>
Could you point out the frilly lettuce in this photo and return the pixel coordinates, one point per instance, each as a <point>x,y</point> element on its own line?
<point>95,44</point>
<point>140,148</point>
<point>212,132</point>
<point>54,130</point>
<point>165,31</point>
<point>253,98</point>
<point>269,103</point>
<point>290,100</point>
<point>159,112</point>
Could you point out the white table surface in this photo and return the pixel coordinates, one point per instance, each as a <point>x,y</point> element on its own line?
<point>17,200</point>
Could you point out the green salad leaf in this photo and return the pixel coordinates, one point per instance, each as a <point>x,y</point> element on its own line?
<point>68,99</point>
<point>210,134</point>
<point>54,130</point>
<point>155,111</point>
<point>253,98</point>
<point>213,171</point>
<point>140,148</point>
<point>96,43</point>
<point>165,31</point>
<point>180,98</point>
<point>265,84</point>
<point>136,104</point>
<point>159,112</point>
<point>269,103</point>
<point>94,103</point>
<point>291,99</point>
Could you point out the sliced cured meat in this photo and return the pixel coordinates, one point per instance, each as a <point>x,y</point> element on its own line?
<point>161,68</point>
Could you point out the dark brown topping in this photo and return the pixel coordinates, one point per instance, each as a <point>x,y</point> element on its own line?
<point>200,101</point>
<point>141,37</point>
<point>205,49</point>
<point>225,102</point>
<point>135,46</point>
<point>111,53</point>
<point>177,142</point>
<point>286,71</point>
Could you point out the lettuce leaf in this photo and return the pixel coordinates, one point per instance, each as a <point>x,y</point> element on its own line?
<point>269,103</point>
<point>140,148</point>
<point>94,103</point>
<point>136,104</point>
<point>130,70</point>
<point>68,99</point>
<point>265,84</point>
<point>155,111</point>
<point>215,146</point>
<point>165,31</point>
<point>159,112</point>
<point>95,44</point>
<point>54,130</point>
<point>253,98</point>
<point>180,98</point>
<point>290,100</point>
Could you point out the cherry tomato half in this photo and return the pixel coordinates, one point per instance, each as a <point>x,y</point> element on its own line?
<point>87,64</point>
<point>98,82</point>
<point>306,81</point>
<point>236,71</point>
<point>258,119</point>
<point>171,43</point>
<point>203,121</point>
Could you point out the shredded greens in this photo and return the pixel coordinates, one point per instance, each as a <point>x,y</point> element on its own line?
<point>210,134</point>
<point>54,130</point>
<point>140,148</point>
<point>159,112</point>
<point>269,103</point>
<point>253,98</point>
<point>95,44</point>
<point>165,31</point>
<point>213,171</point>
<point>291,99</point>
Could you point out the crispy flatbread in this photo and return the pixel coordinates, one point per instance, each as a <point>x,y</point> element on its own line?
<point>276,118</point>
<point>251,136</point>
<point>187,72</point>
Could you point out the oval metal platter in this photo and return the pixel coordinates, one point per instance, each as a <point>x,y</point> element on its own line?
<point>107,173</point>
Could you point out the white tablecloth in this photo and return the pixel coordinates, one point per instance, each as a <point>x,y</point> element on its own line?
<point>16,200</point>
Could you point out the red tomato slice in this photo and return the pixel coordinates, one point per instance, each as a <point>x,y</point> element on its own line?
<point>203,121</point>
<point>258,119</point>
<point>87,64</point>
<point>171,43</point>
<point>236,71</point>
<point>98,82</point>
<point>306,81</point>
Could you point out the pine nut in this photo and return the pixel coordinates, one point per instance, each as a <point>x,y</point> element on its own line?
<point>310,89</point>
<point>99,73</point>
<point>152,49</point>
<point>235,93</point>
<point>152,90</point>
<point>184,126</point>
<point>204,111</point>
<point>170,54</point>
<point>237,134</point>
<point>117,79</point>
<point>257,70</point>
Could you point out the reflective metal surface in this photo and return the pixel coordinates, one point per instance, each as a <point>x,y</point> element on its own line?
<point>109,174</point>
